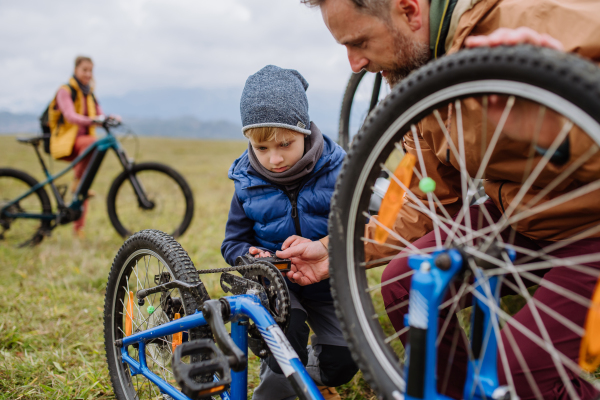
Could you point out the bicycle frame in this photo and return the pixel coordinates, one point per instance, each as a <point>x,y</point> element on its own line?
<point>97,150</point>
<point>428,289</point>
<point>242,307</point>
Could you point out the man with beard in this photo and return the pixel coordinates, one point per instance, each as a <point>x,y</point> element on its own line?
<point>398,36</point>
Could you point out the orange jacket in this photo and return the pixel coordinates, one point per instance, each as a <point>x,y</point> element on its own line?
<point>574,23</point>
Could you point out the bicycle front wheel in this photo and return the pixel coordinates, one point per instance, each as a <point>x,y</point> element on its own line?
<point>478,115</point>
<point>145,260</point>
<point>171,201</point>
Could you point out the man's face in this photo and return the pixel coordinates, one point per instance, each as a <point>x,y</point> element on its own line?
<point>281,154</point>
<point>393,46</point>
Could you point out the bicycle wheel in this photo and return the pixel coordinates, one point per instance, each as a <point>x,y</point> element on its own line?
<point>362,94</point>
<point>469,112</point>
<point>145,260</point>
<point>22,231</point>
<point>172,201</point>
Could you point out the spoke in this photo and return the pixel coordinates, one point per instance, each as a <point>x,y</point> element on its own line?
<point>541,327</point>
<point>532,254</point>
<point>389,310</point>
<point>456,299</point>
<point>534,338</point>
<point>397,334</point>
<point>517,350</point>
<point>510,268</point>
<point>403,253</point>
<point>393,233</point>
<point>563,175</point>
<point>436,230</point>
<point>392,280</point>
<point>433,216</point>
<point>558,245</point>
<point>464,172</point>
<point>548,310</point>
<point>506,217</point>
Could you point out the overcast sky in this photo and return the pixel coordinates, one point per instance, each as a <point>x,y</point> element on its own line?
<point>137,44</point>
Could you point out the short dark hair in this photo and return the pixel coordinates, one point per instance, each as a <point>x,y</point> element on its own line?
<point>378,8</point>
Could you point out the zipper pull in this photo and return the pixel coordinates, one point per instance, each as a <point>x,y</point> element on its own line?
<point>294,210</point>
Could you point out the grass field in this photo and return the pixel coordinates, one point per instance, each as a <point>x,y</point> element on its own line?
<point>51,296</point>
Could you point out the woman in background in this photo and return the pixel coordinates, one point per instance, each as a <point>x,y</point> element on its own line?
<point>72,117</point>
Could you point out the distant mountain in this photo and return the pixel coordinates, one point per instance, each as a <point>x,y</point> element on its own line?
<point>196,112</point>
<point>185,126</point>
<point>19,123</point>
<point>211,104</point>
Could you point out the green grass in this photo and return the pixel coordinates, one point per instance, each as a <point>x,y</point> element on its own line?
<point>51,296</point>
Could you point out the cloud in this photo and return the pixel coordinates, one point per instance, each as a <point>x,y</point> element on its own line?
<point>148,44</point>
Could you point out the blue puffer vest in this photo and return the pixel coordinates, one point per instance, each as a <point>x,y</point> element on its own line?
<point>279,215</point>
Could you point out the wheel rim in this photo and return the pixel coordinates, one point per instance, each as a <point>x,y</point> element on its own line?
<point>362,303</point>
<point>138,273</point>
<point>169,204</point>
<point>360,105</point>
<point>20,231</point>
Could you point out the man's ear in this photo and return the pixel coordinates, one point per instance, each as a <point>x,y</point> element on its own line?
<point>410,11</point>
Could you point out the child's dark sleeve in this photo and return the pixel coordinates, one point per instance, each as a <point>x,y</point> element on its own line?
<point>239,233</point>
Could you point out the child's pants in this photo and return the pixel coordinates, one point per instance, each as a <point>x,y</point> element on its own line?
<point>452,372</point>
<point>328,360</point>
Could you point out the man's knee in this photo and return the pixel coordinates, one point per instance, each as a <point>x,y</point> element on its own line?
<point>336,365</point>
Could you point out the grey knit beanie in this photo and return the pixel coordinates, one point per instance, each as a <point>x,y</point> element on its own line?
<point>275,97</point>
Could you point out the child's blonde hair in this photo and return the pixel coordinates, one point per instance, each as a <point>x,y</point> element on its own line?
<point>268,133</point>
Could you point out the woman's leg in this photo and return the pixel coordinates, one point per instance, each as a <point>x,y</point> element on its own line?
<point>81,144</point>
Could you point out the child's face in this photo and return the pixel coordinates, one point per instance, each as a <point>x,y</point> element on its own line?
<point>281,154</point>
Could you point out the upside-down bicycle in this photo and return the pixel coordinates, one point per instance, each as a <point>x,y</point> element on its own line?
<point>144,195</point>
<point>160,326</point>
<point>456,330</point>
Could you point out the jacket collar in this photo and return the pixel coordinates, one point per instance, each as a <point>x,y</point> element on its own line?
<point>440,16</point>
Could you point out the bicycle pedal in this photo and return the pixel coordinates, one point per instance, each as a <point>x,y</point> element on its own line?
<point>213,361</point>
<point>282,264</point>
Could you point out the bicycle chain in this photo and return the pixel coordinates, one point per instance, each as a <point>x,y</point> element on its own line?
<point>277,290</point>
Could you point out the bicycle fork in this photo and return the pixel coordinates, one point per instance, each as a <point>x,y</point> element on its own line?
<point>434,273</point>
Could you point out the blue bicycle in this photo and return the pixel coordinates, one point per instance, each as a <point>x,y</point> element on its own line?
<point>495,295</point>
<point>144,195</point>
<point>160,326</point>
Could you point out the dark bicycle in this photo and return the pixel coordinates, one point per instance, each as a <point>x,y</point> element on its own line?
<point>144,195</point>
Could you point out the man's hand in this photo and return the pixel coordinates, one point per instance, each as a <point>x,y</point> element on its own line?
<point>310,262</point>
<point>511,37</point>
<point>258,252</point>
<point>294,240</point>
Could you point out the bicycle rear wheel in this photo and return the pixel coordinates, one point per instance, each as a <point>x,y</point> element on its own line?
<point>362,94</point>
<point>145,260</point>
<point>463,112</point>
<point>171,198</point>
<point>22,231</point>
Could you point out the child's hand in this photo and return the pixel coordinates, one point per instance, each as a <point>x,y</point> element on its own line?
<point>258,252</point>
<point>294,241</point>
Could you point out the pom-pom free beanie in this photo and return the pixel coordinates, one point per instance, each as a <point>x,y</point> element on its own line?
<point>275,97</point>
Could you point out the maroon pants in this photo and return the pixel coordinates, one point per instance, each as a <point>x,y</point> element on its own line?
<point>452,354</point>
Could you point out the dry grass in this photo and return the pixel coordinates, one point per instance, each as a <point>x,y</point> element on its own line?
<point>51,296</point>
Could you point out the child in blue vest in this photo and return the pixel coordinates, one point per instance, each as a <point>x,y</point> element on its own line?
<point>283,187</point>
